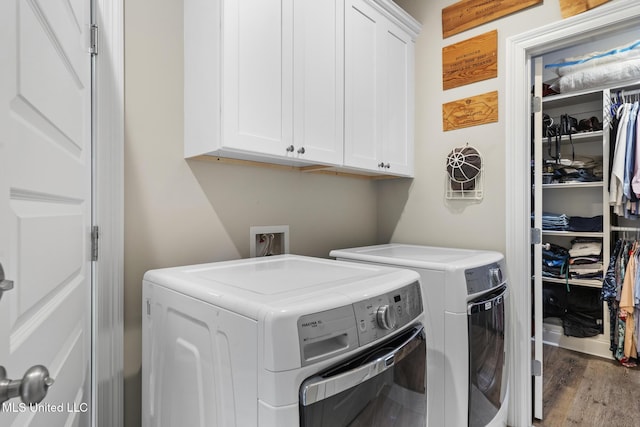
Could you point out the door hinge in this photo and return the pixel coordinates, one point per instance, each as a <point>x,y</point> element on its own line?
<point>536,368</point>
<point>536,104</point>
<point>536,236</point>
<point>93,48</point>
<point>95,234</point>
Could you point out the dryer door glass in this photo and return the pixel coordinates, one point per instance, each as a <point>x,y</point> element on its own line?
<point>486,316</point>
<point>384,386</point>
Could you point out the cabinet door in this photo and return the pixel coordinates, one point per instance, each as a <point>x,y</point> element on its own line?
<point>257,76</point>
<point>397,137</point>
<point>318,80</point>
<point>363,83</point>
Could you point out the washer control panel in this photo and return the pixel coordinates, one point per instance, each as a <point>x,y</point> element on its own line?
<point>328,333</point>
<point>383,314</point>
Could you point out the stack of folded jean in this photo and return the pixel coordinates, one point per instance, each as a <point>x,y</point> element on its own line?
<point>580,223</point>
<point>563,222</point>
<point>551,221</point>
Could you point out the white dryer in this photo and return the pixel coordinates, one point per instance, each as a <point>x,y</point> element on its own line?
<point>465,305</point>
<point>282,341</point>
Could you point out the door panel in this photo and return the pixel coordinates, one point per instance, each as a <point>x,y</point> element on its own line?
<point>362,127</point>
<point>318,79</point>
<point>399,128</point>
<point>46,266</point>
<point>45,43</point>
<point>257,104</point>
<point>45,204</point>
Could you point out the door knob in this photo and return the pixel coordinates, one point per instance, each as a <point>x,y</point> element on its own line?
<point>5,285</point>
<point>31,389</point>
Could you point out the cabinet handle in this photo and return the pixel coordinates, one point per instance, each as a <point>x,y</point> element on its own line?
<point>290,149</point>
<point>301,150</point>
<point>387,166</point>
<point>381,164</point>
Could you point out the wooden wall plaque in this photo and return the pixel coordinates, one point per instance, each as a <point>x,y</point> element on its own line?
<point>470,60</point>
<point>573,7</point>
<point>473,111</point>
<point>467,14</point>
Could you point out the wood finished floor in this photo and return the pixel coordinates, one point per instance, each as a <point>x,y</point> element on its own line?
<point>583,390</point>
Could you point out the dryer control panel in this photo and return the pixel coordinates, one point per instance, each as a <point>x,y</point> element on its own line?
<point>329,333</point>
<point>485,278</point>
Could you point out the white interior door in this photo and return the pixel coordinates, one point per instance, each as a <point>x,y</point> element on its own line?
<point>537,248</point>
<point>45,205</point>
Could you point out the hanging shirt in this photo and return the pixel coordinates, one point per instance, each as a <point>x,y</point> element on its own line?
<point>627,306</point>
<point>617,169</point>
<point>635,181</point>
<point>630,153</point>
<point>609,282</point>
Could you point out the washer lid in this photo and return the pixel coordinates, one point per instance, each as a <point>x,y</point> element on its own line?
<point>416,256</point>
<point>284,283</point>
<point>270,276</point>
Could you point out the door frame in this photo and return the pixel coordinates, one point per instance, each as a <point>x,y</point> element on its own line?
<point>107,373</point>
<point>520,49</point>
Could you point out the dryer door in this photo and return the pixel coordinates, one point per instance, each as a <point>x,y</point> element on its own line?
<point>386,385</point>
<point>487,361</point>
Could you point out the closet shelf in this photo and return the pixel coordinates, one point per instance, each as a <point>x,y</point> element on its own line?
<point>579,137</point>
<point>571,98</point>
<point>553,334</point>
<point>573,233</point>
<point>593,184</point>
<point>592,283</point>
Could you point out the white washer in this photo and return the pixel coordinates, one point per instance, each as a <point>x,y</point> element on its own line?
<point>281,341</point>
<point>464,294</point>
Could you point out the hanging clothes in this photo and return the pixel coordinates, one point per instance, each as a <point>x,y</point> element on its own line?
<point>621,289</point>
<point>609,289</point>
<point>624,184</point>
<point>629,164</point>
<point>635,181</point>
<point>627,307</point>
<point>616,191</point>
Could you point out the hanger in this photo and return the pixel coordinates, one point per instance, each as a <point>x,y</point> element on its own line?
<point>615,104</point>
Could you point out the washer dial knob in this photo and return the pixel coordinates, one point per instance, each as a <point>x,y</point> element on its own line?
<point>386,317</point>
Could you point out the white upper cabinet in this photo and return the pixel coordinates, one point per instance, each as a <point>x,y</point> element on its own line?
<point>396,147</point>
<point>363,81</point>
<point>379,85</point>
<point>238,69</point>
<point>257,75</point>
<point>318,89</point>
<point>265,80</point>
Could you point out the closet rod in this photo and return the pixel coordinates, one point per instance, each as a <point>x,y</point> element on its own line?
<point>616,228</point>
<point>625,92</point>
